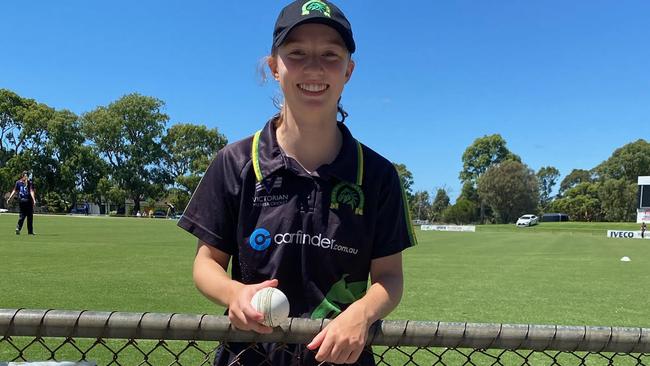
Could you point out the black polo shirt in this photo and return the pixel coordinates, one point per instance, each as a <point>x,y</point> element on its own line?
<point>316,233</point>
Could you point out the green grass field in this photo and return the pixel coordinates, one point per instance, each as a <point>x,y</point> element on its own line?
<point>563,273</point>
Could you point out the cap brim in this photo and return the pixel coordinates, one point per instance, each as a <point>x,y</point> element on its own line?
<point>345,35</point>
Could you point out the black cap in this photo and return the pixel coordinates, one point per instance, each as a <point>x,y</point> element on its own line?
<point>312,11</point>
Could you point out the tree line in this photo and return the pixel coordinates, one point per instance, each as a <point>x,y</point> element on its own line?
<point>497,187</point>
<point>125,151</point>
<point>112,153</point>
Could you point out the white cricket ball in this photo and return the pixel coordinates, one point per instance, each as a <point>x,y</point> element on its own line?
<point>273,303</point>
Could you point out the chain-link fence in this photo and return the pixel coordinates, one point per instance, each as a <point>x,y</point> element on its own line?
<point>117,338</point>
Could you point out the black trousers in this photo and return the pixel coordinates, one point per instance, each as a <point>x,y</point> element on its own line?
<point>26,212</point>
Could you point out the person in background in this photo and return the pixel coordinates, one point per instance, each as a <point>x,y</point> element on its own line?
<point>171,210</point>
<point>644,227</point>
<point>24,188</point>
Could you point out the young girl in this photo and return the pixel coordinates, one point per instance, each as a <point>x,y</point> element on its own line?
<point>303,206</point>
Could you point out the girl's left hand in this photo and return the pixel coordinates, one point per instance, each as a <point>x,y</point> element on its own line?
<point>344,338</point>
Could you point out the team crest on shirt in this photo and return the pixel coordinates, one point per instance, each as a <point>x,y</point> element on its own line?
<point>348,194</point>
<point>268,184</point>
<point>266,193</point>
<point>316,5</point>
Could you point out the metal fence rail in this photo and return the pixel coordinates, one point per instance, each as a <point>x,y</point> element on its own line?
<point>119,338</point>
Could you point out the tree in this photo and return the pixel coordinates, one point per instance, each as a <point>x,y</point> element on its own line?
<point>35,136</point>
<point>66,165</point>
<point>482,154</point>
<point>618,200</point>
<point>11,111</point>
<point>510,189</point>
<point>55,164</point>
<point>574,178</point>
<point>462,212</point>
<point>580,202</point>
<point>23,126</point>
<point>421,208</point>
<point>109,190</point>
<point>547,177</point>
<point>88,169</point>
<point>440,203</point>
<point>469,193</point>
<point>627,162</point>
<point>188,151</point>
<point>127,134</point>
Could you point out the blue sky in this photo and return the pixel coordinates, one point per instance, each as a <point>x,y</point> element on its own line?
<point>564,82</point>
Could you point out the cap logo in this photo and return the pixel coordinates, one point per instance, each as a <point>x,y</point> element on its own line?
<point>316,5</point>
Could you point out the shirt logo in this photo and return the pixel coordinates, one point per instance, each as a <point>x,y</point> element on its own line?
<point>260,239</point>
<point>269,184</point>
<point>264,196</point>
<point>348,194</point>
<point>23,191</point>
<point>316,5</point>
<point>341,293</point>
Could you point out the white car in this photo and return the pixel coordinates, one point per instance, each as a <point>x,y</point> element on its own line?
<point>527,220</point>
<point>3,210</point>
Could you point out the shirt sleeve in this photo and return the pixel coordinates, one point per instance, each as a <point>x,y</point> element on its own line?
<point>393,232</point>
<point>211,215</point>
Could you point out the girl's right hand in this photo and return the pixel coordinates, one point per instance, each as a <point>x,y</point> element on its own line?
<point>241,313</point>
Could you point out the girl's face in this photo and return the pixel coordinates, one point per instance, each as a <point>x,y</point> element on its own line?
<point>312,66</point>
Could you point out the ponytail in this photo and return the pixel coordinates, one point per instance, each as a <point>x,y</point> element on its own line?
<point>341,111</point>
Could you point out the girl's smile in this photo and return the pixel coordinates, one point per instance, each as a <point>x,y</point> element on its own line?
<point>313,88</point>
<point>312,65</point>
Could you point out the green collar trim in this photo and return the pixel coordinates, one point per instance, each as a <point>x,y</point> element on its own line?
<point>360,166</point>
<point>255,156</point>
